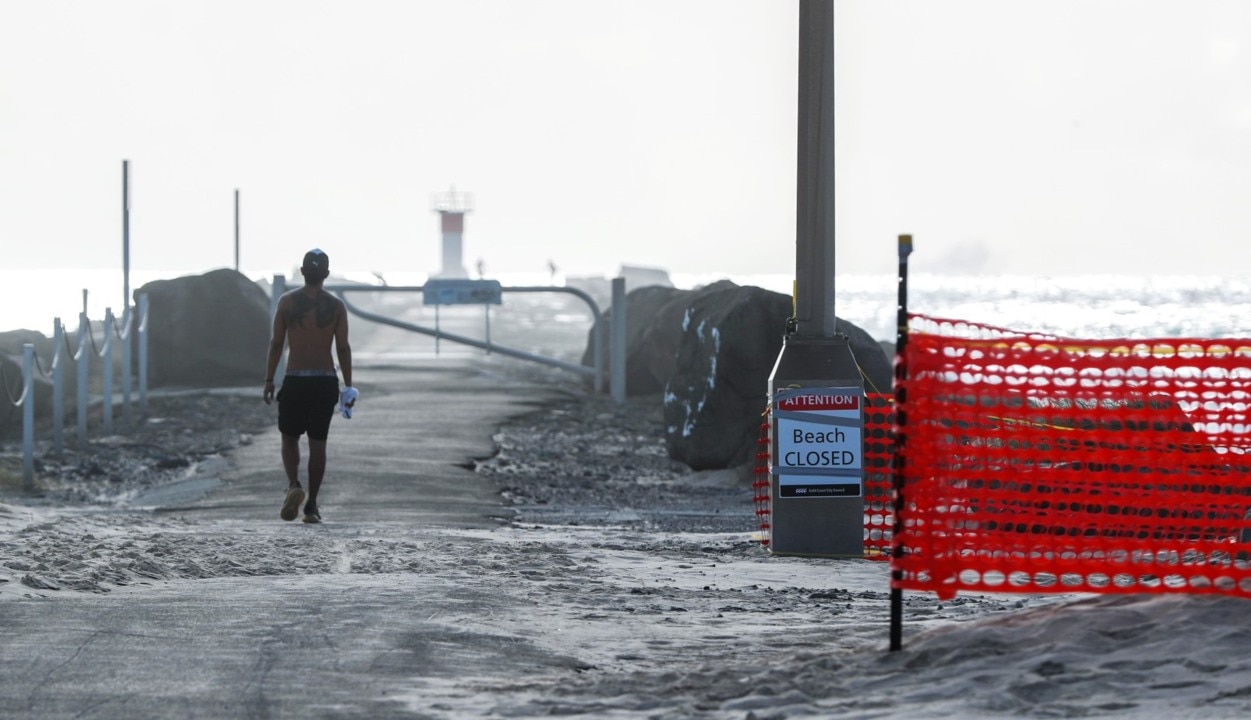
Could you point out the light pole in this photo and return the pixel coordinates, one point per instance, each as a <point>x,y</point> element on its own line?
<point>816,391</point>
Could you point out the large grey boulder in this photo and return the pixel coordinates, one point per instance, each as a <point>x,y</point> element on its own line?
<point>653,315</point>
<point>715,401</point>
<point>207,330</point>
<point>710,351</point>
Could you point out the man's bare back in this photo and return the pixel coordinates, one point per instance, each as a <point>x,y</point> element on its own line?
<point>308,320</point>
<point>311,319</point>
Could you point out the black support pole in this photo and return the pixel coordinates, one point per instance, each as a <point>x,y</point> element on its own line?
<point>897,458</point>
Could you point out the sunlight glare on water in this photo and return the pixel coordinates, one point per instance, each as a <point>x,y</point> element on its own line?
<point>1095,306</point>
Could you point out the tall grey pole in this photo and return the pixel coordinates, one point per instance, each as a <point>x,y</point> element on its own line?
<point>816,511</point>
<point>125,233</point>
<point>236,229</point>
<point>814,230</point>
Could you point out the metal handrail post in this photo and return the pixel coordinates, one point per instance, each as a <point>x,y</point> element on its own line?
<point>143,353</point>
<point>597,337</point>
<point>279,289</point>
<point>618,344</point>
<point>597,352</point>
<point>82,359</point>
<point>598,372</point>
<point>58,387</point>
<point>128,320</point>
<point>28,416</point>
<point>106,384</point>
<point>341,291</point>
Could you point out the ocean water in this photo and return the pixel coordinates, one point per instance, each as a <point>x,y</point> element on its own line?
<point>1089,306</point>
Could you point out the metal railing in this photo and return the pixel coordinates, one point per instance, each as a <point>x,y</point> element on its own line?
<point>87,347</point>
<point>596,371</point>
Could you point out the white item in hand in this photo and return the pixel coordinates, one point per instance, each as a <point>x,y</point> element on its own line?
<point>347,399</point>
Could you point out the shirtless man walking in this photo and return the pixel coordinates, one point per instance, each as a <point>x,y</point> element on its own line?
<point>308,320</point>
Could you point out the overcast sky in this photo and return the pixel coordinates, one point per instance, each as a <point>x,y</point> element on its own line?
<point>1041,137</point>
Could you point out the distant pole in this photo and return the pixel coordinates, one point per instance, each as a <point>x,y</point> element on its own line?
<point>125,233</point>
<point>236,229</point>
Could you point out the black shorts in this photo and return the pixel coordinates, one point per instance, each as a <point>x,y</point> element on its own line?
<point>306,404</point>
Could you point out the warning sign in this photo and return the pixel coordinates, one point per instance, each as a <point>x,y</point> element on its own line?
<point>819,447</point>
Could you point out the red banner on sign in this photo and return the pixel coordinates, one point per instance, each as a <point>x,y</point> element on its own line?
<point>820,401</point>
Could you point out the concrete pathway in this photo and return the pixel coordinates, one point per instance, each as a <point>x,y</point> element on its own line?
<point>415,599</point>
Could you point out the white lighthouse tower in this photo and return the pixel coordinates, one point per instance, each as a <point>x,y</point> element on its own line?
<point>452,207</point>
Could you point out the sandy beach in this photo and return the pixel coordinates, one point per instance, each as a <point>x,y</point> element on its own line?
<point>519,549</point>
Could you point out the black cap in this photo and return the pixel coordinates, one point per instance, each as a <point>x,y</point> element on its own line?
<point>316,262</point>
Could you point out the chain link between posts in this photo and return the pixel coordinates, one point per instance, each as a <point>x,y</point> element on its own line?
<point>122,335</point>
<point>92,336</point>
<point>4,380</point>
<point>17,401</point>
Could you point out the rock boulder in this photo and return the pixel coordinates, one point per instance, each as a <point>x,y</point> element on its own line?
<point>653,315</point>
<point>710,351</point>
<point>717,396</point>
<point>207,330</point>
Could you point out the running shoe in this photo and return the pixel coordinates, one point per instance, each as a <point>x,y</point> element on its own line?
<point>291,506</point>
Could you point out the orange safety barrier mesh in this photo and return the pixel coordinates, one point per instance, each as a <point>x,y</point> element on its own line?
<point>879,512</point>
<point>762,484</point>
<point>1034,463</point>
